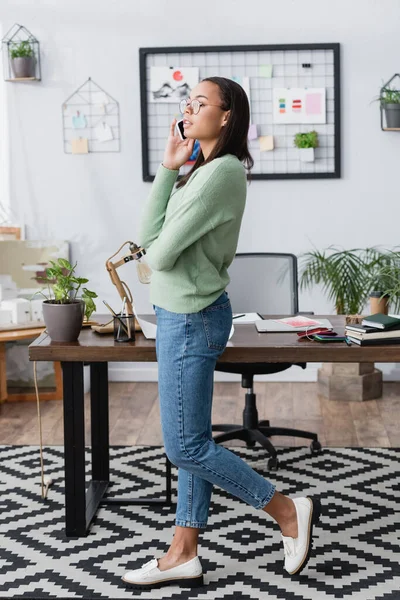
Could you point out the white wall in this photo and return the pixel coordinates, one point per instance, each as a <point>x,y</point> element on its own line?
<point>95,201</point>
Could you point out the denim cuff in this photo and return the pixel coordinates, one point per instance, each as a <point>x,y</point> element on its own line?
<point>198,525</point>
<point>267,498</point>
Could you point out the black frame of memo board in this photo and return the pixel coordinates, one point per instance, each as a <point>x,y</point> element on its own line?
<point>143,52</point>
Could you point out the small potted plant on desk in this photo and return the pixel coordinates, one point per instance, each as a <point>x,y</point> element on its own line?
<point>63,311</point>
<point>306,142</point>
<point>23,61</point>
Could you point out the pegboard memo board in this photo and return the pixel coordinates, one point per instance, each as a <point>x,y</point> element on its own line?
<point>281,80</point>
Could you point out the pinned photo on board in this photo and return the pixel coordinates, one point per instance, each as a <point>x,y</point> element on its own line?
<point>171,84</point>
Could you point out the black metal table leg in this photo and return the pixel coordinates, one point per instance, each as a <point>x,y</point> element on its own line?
<point>99,421</point>
<point>80,505</point>
<point>74,448</point>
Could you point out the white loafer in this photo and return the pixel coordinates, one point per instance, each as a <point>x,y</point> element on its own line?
<point>298,550</point>
<point>189,574</point>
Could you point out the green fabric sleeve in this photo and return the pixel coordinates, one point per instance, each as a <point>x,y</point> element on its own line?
<point>156,205</point>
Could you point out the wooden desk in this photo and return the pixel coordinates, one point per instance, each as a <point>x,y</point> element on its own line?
<point>246,345</point>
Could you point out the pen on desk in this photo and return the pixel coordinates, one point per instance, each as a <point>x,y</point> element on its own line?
<point>237,316</point>
<point>114,314</point>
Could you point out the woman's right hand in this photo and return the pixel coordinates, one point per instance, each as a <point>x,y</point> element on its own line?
<point>177,151</point>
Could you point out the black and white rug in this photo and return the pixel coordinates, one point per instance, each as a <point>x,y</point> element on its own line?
<point>356,547</point>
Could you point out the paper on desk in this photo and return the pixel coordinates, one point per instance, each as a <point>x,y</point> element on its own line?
<point>247,318</point>
<point>150,329</point>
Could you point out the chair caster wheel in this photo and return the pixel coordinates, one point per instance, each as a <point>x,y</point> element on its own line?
<point>273,464</point>
<point>315,447</point>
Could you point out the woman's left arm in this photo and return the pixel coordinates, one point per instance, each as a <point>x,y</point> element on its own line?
<point>153,215</point>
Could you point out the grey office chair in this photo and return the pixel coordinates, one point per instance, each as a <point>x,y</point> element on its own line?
<point>265,283</point>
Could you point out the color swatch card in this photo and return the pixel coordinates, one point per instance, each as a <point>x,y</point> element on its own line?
<point>298,105</point>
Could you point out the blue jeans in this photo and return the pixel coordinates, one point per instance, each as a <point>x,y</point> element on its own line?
<point>188,346</point>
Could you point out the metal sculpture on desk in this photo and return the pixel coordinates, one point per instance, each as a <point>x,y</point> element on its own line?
<point>143,271</point>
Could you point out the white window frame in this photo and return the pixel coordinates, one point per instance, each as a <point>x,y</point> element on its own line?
<point>4,145</point>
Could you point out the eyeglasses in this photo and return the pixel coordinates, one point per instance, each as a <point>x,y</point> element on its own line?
<point>195,105</point>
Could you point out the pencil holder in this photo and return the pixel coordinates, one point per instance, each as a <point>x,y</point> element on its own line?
<point>124,328</point>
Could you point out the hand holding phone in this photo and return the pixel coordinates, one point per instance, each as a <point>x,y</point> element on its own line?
<point>178,150</point>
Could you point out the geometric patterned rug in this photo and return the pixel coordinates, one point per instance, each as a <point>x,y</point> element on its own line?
<point>356,545</point>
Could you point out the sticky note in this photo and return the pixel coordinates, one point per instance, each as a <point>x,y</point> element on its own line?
<point>78,121</point>
<point>103,132</point>
<point>80,146</point>
<point>266,143</point>
<point>313,104</point>
<point>252,135</point>
<point>265,71</point>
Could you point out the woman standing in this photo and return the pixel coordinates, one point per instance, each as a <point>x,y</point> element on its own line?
<point>190,234</point>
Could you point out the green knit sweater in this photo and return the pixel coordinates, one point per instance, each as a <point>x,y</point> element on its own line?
<point>191,234</point>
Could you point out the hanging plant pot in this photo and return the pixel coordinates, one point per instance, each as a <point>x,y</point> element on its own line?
<point>23,66</point>
<point>307,154</point>
<point>63,321</point>
<point>392,114</point>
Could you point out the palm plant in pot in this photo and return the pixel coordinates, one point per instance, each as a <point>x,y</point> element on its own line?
<point>63,311</point>
<point>343,275</point>
<point>23,60</point>
<point>349,277</point>
<point>306,142</point>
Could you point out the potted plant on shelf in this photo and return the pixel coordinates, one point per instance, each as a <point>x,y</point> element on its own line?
<point>390,102</point>
<point>23,60</point>
<point>63,311</point>
<point>306,142</point>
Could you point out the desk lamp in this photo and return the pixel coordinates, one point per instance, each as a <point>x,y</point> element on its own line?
<point>143,271</point>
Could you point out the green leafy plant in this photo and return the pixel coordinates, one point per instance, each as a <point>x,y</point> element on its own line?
<point>22,50</point>
<point>63,286</point>
<point>306,140</point>
<point>348,276</point>
<point>389,95</point>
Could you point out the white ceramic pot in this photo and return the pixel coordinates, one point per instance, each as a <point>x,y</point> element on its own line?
<point>307,154</point>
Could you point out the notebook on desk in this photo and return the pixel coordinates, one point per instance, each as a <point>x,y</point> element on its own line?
<point>271,325</point>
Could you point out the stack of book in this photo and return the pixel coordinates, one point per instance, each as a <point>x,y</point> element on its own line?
<point>374,330</point>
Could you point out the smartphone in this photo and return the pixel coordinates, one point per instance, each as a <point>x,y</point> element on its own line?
<point>326,338</point>
<point>179,128</point>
